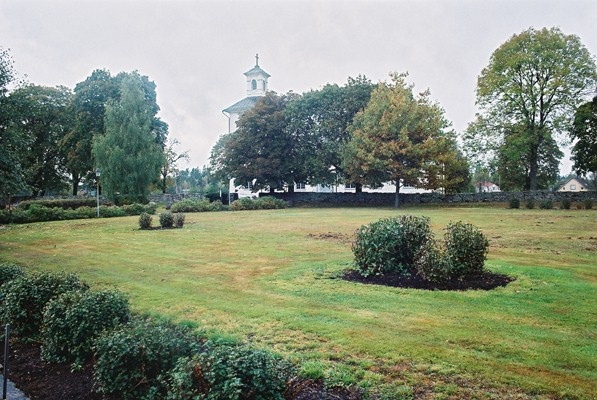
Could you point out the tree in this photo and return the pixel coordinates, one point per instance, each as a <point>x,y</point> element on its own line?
<point>319,121</point>
<point>171,158</point>
<point>533,82</point>
<point>584,131</point>
<point>262,150</point>
<point>402,138</point>
<point>129,154</point>
<point>88,108</point>
<point>12,143</point>
<point>41,116</point>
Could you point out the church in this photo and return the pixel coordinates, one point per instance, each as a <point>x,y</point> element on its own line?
<point>257,86</point>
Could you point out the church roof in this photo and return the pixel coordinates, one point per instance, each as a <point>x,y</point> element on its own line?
<point>256,70</point>
<point>243,105</point>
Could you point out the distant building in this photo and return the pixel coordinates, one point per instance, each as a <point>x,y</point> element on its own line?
<point>574,185</point>
<point>256,88</point>
<point>486,187</point>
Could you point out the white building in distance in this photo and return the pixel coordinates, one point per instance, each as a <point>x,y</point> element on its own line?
<point>257,86</point>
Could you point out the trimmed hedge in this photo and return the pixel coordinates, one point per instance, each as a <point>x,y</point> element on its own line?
<point>192,205</point>
<point>72,322</point>
<point>38,213</point>
<point>131,360</point>
<point>24,299</point>
<point>232,372</point>
<point>65,204</point>
<point>261,203</point>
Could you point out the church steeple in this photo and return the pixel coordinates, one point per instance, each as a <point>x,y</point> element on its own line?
<point>256,80</point>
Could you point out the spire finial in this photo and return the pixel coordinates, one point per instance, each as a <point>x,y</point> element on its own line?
<point>257,59</point>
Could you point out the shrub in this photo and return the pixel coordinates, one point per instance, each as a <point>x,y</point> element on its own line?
<point>433,264</point>
<point>530,204</point>
<point>546,205</point>
<point>229,372</point>
<point>243,204</point>
<point>514,203</point>
<point>467,247</point>
<point>179,220</point>
<point>566,204</point>
<point>72,321</point>
<point>133,209</point>
<point>25,298</point>
<point>186,205</point>
<point>8,272</point>
<point>270,203</point>
<point>390,245</point>
<point>64,204</point>
<point>145,221</point>
<point>588,204</point>
<point>130,359</point>
<point>166,220</point>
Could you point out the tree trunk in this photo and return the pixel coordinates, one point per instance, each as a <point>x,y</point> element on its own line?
<point>397,197</point>
<point>533,167</point>
<point>76,180</point>
<point>358,188</point>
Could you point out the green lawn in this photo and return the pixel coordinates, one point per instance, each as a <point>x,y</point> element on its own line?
<point>271,277</point>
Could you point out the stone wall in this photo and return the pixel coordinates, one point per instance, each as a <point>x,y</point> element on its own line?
<point>387,199</point>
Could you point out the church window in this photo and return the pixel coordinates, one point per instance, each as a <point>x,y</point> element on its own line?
<point>254,84</point>
<point>299,185</point>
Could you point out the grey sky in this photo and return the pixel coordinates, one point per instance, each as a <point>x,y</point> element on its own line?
<point>197,51</point>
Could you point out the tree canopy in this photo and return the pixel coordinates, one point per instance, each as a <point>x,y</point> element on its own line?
<point>262,152</point>
<point>532,85</point>
<point>584,132</point>
<point>129,154</point>
<point>403,138</point>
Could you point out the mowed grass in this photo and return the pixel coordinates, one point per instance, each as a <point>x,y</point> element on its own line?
<point>272,277</point>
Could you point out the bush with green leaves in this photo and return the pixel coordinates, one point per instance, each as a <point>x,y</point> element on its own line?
<point>546,205</point>
<point>8,272</point>
<point>390,245</point>
<point>66,204</point>
<point>588,204</point>
<point>514,203</point>
<point>179,220</point>
<point>131,360</point>
<point>565,204</point>
<point>232,372</point>
<point>192,205</point>
<point>167,220</point>
<point>24,299</point>
<point>530,204</point>
<point>467,248</point>
<point>433,264</point>
<point>243,204</point>
<point>145,221</point>
<point>72,322</point>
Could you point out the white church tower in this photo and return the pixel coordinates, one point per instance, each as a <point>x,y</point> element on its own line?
<point>256,87</point>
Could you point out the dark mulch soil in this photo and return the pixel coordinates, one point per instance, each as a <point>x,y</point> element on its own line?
<point>49,382</point>
<point>485,281</point>
<point>56,381</point>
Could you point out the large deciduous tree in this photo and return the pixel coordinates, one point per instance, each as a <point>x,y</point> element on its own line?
<point>12,143</point>
<point>262,150</point>
<point>319,120</point>
<point>129,154</point>
<point>402,138</point>
<point>533,84</point>
<point>88,109</point>
<point>40,115</point>
<point>584,132</point>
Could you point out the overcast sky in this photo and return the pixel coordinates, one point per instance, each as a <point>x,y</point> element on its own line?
<point>197,51</point>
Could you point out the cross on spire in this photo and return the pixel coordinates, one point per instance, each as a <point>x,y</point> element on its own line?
<point>257,59</point>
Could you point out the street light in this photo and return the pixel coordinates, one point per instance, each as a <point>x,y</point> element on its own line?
<point>97,175</point>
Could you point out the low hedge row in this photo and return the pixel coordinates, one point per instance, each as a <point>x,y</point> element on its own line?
<point>65,204</point>
<point>133,357</point>
<point>40,213</point>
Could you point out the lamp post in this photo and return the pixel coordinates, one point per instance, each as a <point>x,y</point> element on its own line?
<point>97,175</point>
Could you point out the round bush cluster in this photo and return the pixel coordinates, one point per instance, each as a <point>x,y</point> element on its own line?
<point>405,245</point>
